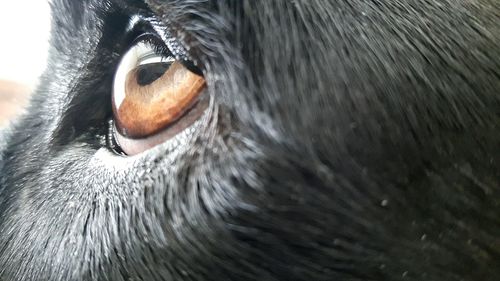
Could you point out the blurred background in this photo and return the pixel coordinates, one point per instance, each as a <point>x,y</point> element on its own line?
<point>24,33</point>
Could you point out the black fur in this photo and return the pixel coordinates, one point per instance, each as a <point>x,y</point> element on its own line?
<point>347,140</point>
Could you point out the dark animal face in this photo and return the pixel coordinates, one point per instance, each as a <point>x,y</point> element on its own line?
<point>342,140</point>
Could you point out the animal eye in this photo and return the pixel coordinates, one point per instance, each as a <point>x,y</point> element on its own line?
<point>152,93</point>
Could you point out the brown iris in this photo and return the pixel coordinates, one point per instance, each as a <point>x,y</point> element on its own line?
<point>155,96</point>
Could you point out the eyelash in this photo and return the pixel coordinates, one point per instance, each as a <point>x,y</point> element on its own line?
<point>111,140</point>
<point>150,30</point>
<point>158,46</point>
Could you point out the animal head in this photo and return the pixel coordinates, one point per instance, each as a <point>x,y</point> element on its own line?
<point>338,140</point>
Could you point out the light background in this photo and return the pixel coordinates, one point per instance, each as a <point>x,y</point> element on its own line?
<point>24,29</point>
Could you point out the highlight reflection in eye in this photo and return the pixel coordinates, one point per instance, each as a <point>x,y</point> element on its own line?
<point>152,92</point>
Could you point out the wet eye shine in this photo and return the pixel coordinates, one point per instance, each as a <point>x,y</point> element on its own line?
<point>151,93</point>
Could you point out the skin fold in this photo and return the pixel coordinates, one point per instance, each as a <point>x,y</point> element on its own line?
<point>344,140</point>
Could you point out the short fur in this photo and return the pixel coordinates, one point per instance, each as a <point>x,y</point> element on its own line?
<point>347,140</point>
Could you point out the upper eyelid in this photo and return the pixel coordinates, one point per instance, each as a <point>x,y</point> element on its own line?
<point>155,28</point>
<point>160,48</point>
<point>150,30</point>
<point>155,58</point>
<point>174,46</point>
<point>155,42</point>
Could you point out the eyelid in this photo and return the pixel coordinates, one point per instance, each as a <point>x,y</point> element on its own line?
<point>158,33</point>
<point>158,45</point>
<point>160,48</point>
<point>155,58</point>
<point>181,127</point>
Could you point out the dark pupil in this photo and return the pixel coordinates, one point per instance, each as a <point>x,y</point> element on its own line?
<point>148,73</point>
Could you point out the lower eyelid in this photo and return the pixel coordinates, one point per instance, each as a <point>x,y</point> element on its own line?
<point>177,131</point>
